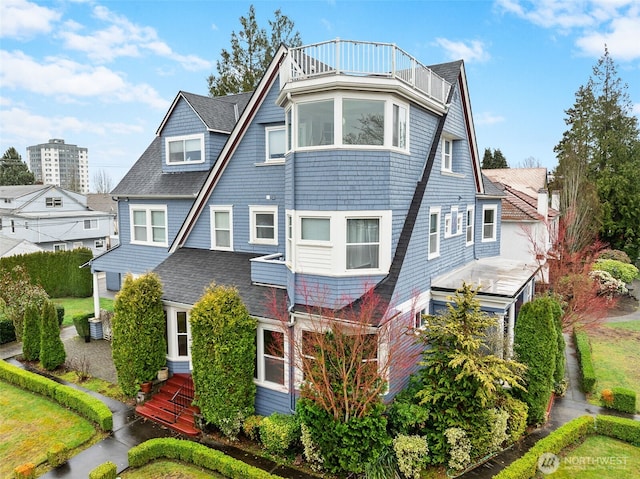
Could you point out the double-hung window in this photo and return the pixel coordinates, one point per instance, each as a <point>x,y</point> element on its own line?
<point>275,147</point>
<point>264,224</point>
<point>185,149</point>
<point>470,224</point>
<point>221,228</point>
<point>489,224</point>
<point>90,224</point>
<point>363,243</point>
<point>458,222</point>
<point>399,133</point>
<point>271,357</point>
<point>447,154</point>
<point>434,233</point>
<point>149,225</point>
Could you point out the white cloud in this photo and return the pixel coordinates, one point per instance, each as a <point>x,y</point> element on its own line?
<point>488,118</point>
<point>473,51</point>
<point>214,27</point>
<point>21,19</point>
<point>122,38</point>
<point>61,76</point>
<point>594,22</point>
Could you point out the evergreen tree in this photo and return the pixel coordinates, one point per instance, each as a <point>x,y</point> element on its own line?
<point>240,69</point>
<point>52,353</point>
<point>139,344</point>
<point>601,153</point>
<point>492,160</point>
<point>31,336</point>
<point>14,171</point>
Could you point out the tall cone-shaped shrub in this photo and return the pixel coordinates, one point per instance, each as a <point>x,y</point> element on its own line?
<point>139,343</point>
<point>223,352</point>
<point>31,336</point>
<point>52,353</point>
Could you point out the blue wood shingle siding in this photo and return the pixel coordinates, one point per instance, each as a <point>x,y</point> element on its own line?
<point>269,401</point>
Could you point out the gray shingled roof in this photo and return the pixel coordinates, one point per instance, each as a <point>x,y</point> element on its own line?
<point>145,178</point>
<point>449,71</point>
<point>490,188</point>
<point>218,113</point>
<point>186,273</point>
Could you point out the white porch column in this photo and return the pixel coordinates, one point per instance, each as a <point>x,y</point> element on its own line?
<point>500,336</point>
<point>510,326</point>
<point>96,296</point>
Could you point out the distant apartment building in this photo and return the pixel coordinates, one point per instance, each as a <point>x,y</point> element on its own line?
<point>61,164</point>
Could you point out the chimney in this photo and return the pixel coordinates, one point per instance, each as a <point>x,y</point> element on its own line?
<point>543,203</point>
<point>555,200</point>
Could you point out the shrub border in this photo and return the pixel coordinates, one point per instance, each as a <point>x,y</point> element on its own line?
<point>196,454</point>
<point>82,403</point>
<point>583,350</point>
<point>624,429</point>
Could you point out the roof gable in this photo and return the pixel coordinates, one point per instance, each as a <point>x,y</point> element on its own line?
<point>526,180</point>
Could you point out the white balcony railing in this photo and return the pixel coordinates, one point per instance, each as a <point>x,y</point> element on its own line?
<point>364,59</point>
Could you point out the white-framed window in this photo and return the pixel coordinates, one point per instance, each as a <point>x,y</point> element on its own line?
<point>148,224</point>
<point>53,202</point>
<point>447,154</point>
<point>470,225</point>
<point>181,319</point>
<point>420,321</point>
<point>271,357</point>
<point>222,227</point>
<point>178,334</point>
<point>363,243</point>
<point>315,123</point>
<point>60,247</point>
<point>362,121</point>
<point>289,124</point>
<point>447,225</point>
<point>289,245</point>
<point>315,229</point>
<point>91,224</point>
<point>275,143</point>
<point>489,222</point>
<point>459,219</point>
<point>98,244</point>
<point>185,149</point>
<point>434,232</point>
<point>264,224</point>
<point>399,131</point>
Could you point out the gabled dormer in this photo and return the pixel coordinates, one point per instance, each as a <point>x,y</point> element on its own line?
<point>195,129</point>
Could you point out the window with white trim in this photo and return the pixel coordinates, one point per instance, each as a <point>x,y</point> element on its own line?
<point>271,357</point>
<point>315,229</point>
<point>399,132</point>
<point>447,154</point>
<point>289,245</point>
<point>264,224</point>
<point>420,320</point>
<point>148,225</point>
<point>459,219</point>
<point>184,149</point>
<point>91,224</point>
<point>53,202</point>
<point>489,223</point>
<point>98,244</point>
<point>362,122</point>
<point>470,224</point>
<point>182,333</point>
<point>289,125</point>
<point>434,233</point>
<point>222,228</point>
<point>315,123</point>
<point>275,147</point>
<point>60,247</point>
<point>363,243</point>
<point>447,225</point>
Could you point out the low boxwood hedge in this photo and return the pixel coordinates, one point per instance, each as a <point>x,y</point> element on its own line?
<point>583,350</point>
<point>197,454</point>
<point>622,428</point>
<point>87,406</point>
<point>107,470</point>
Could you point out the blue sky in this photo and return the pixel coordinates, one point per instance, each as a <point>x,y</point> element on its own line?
<point>101,74</point>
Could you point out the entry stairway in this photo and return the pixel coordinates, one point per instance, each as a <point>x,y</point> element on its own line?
<point>171,405</point>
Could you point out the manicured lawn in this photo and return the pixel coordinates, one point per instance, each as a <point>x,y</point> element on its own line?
<point>30,424</point>
<point>164,469</point>
<point>615,350</point>
<point>98,385</point>
<point>74,306</point>
<point>600,457</point>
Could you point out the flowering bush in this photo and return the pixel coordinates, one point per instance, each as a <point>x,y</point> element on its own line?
<point>25,471</point>
<point>608,285</point>
<point>619,270</point>
<point>607,397</point>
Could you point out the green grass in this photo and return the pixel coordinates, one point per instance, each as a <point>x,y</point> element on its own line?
<point>74,306</point>
<point>616,355</point>
<point>30,424</point>
<point>98,385</point>
<point>164,469</point>
<point>599,457</point>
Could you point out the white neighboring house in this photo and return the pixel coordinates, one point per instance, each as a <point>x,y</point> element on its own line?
<point>15,247</point>
<point>528,220</point>
<point>53,218</point>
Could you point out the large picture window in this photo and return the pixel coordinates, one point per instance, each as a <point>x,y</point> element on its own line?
<point>315,123</point>
<point>185,149</point>
<point>149,225</point>
<point>363,243</point>
<point>362,122</point>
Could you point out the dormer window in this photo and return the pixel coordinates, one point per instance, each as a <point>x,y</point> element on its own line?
<point>184,149</point>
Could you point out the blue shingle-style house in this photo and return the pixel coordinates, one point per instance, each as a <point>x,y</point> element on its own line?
<point>351,166</point>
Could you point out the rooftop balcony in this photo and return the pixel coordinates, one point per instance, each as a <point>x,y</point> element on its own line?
<point>363,61</point>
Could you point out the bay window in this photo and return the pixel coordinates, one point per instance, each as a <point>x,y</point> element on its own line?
<point>362,122</point>
<point>315,123</point>
<point>363,243</point>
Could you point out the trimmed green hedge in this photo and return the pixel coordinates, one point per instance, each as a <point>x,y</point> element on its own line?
<point>59,272</point>
<point>197,454</point>
<point>624,400</point>
<point>91,408</point>
<point>527,465</point>
<point>622,428</point>
<point>107,470</point>
<point>7,331</point>
<point>583,350</point>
